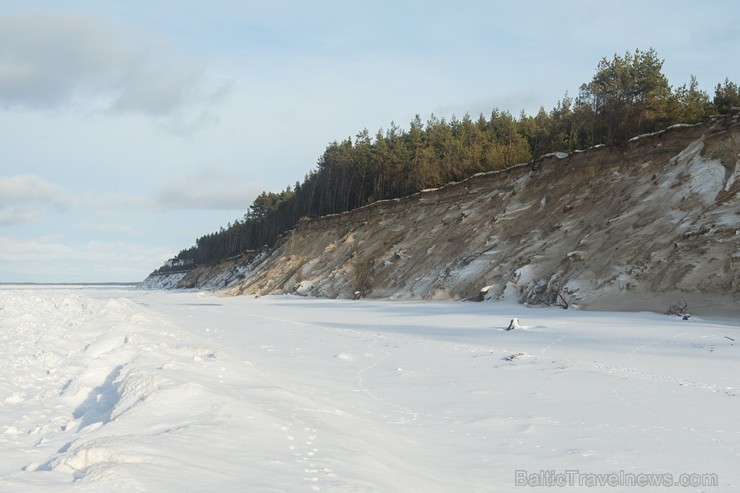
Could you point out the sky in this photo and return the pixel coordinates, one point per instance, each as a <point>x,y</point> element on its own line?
<point>129,129</point>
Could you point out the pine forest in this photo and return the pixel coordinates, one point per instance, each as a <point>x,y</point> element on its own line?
<point>629,95</point>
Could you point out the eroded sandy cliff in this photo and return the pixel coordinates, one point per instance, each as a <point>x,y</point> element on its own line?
<point>643,225</point>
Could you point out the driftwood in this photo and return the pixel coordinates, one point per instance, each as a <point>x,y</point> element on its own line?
<point>565,304</point>
<point>678,310</point>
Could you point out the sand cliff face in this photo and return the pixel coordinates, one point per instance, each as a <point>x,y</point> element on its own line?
<point>643,225</point>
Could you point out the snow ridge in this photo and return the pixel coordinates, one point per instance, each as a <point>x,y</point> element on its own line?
<point>112,366</point>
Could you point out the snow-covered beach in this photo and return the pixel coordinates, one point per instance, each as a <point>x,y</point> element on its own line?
<point>112,389</point>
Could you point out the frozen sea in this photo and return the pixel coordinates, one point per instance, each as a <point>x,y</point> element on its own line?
<point>113,389</point>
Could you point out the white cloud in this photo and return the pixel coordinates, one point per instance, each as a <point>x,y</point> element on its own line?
<point>23,198</point>
<point>207,190</point>
<point>102,226</point>
<point>117,201</point>
<point>47,259</point>
<point>53,61</point>
<point>47,247</point>
<point>16,215</point>
<point>25,188</point>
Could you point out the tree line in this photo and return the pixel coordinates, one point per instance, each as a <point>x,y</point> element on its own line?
<point>628,95</point>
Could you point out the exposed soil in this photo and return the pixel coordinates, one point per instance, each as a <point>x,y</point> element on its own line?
<point>644,225</point>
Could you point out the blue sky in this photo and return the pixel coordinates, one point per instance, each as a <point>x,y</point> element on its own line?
<point>128,129</point>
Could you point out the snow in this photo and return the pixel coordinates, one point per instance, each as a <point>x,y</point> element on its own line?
<point>733,176</point>
<point>557,155</point>
<point>130,390</point>
<point>167,281</point>
<point>707,179</point>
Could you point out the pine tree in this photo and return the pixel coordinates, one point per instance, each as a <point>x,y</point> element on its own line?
<point>726,96</point>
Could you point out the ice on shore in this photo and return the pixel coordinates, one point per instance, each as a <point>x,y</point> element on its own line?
<point>115,390</point>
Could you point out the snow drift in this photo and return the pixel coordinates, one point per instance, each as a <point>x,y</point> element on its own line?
<point>133,391</point>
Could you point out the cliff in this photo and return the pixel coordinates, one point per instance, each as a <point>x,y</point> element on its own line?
<point>653,222</point>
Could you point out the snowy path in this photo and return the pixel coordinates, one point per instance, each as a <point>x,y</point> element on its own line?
<point>104,390</point>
